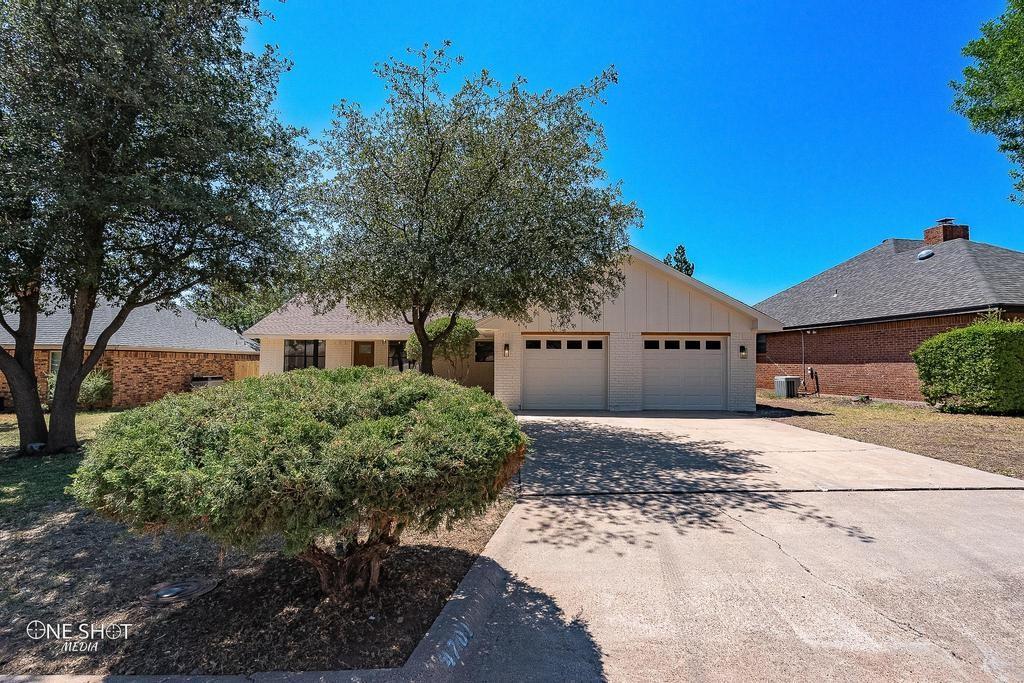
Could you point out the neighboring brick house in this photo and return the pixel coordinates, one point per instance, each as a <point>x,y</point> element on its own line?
<point>855,324</point>
<point>156,351</point>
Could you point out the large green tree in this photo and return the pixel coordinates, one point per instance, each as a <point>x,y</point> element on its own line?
<point>489,198</point>
<point>146,160</point>
<point>991,94</point>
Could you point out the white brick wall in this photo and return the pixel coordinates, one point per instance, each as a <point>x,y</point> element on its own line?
<point>271,356</point>
<point>625,371</point>
<point>742,372</point>
<point>339,353</point>
<point>508,372</point>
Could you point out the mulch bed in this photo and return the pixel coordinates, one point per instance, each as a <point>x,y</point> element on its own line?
<point>60,564</point>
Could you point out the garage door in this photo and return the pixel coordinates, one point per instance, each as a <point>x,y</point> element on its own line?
<point>684,373</point>
<point>565,372</point>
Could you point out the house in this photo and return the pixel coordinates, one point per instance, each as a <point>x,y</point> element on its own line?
<point>849,331</point>
<point>156,352</point>
<point>667,341</point>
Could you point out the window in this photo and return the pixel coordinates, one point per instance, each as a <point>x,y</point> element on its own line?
<point>574,344</point>
<point>553,344</point>
<point>397,357</point>
<point>762,343</point>
<point>484,352</point>
<point>671,344</point>
<point>595,344</point>
<point>304,353</point>
<point>691,344</point>
<point>712,345</point>
<point>533,343</point>
<point>652,344</point>
<point>54,360</point>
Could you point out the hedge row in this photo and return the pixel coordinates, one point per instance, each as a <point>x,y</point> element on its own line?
<point>974,369</point>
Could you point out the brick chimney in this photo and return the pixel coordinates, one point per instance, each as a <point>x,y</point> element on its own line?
<point>946,229</point>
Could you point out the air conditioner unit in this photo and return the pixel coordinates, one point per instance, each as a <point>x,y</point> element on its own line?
<point>787,386</point>
<point>203,381</point>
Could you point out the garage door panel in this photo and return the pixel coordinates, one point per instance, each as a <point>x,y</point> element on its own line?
<point>565,378</point>
<point>684,378</point>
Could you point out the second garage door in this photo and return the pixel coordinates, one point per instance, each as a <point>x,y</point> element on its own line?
<point>684,374</point>
<point>565,373</point>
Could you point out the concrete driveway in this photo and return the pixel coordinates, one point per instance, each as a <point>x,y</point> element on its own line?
<point>724,548</point>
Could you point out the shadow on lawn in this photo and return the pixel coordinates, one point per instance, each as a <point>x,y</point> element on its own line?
<point>770,411</point>
<point>590,484</point>
<point>266,614</point>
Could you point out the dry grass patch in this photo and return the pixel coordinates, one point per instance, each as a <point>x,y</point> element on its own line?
<point>984,442</point>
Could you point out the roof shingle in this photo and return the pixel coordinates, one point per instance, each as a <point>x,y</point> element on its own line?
<point>147,327</point>
<point>889,281</point>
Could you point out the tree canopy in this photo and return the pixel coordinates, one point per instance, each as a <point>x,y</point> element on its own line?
<point>991,94</point>
<point>142,158</point>
<point>490,198</point>
<point>678,260</point>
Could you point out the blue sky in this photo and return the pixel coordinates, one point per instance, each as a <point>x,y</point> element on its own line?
<point>773,139</point>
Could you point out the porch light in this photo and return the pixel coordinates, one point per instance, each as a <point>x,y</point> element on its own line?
<point>505,351</point>
<point>743,351</point>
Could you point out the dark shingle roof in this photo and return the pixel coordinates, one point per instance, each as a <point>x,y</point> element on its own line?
<point>889,281</point>
<point>147,327</point>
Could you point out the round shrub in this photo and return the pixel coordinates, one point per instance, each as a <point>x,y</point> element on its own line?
<point>336,462</point>
<point>975,369</point>
<point>97,389</point>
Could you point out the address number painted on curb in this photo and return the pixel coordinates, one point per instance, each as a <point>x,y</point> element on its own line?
<point>455,646</point>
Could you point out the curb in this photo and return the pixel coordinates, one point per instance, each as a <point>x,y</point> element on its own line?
<point>450,638</point>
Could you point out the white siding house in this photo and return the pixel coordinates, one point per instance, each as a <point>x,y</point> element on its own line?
<point>667,342</point>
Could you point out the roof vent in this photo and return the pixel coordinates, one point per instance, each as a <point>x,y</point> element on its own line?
<point>926,254</point>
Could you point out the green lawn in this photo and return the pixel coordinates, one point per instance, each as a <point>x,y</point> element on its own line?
<point>32,483</point>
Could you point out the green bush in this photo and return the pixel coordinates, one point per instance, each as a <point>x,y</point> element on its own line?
<point>454,347</point>
<point>336,462</point>
<point>974,369</point>
<point>97,390</point>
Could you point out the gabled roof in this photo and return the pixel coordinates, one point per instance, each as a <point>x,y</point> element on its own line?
<point>147,327</point>
<point>889,281</point>
<point>296,317</point>
<point>766,322</point>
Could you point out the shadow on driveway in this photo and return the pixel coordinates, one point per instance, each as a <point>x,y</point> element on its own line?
<point>587,484</point>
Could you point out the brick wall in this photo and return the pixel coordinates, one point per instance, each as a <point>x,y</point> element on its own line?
<point>625,371</point>
<point>872,359</point>
<point>144,376</point>
<point>742,372</point>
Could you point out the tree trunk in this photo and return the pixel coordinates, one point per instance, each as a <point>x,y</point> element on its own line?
<point>70,373</point>
<point>419,326</point>
<point>27,407</point>
<point>63,436</point>
<point>354,573</point>
<point>20,370</point>
<point>426,358</point>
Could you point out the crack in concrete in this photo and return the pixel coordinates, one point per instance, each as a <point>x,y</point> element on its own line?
<point>904,626</point>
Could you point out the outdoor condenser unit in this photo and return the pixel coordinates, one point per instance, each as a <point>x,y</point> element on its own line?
<point>787,386</point>
<point>202,381</point>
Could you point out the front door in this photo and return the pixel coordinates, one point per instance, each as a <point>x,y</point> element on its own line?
<point>362,353</point>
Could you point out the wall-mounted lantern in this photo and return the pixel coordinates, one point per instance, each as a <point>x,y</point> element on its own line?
<point>505,351</point>
<point>743,351</point>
